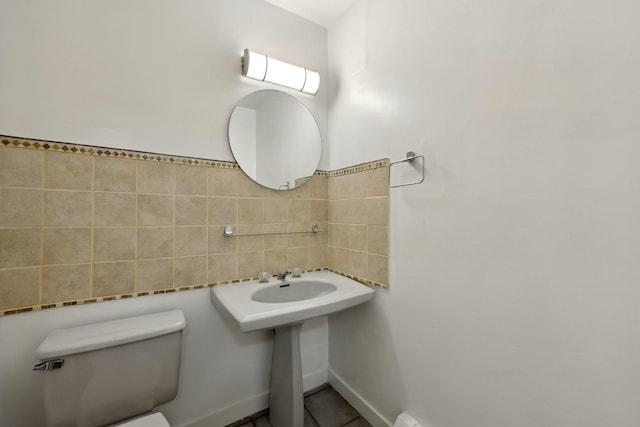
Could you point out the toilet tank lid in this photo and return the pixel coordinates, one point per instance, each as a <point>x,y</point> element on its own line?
<point>61,342</point>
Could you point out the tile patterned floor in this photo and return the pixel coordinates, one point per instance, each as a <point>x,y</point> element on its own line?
<point>323,407</point>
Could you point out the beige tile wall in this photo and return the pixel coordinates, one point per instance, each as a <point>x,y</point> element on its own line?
<point>77,226</point>
<point>359,222</point>
<point>82,224</point>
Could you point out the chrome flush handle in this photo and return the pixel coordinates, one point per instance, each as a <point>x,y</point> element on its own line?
<point>49,364</point>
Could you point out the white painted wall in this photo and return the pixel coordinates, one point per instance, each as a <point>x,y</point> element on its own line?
<point>158,76</point>
<point>514,268</point>
<point>224,376</point>
<point>513,297</point>
<point>245,131</point>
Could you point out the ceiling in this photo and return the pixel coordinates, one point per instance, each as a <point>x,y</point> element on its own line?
<point>322,12</point>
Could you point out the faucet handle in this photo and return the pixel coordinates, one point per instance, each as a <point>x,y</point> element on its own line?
<point>263,277</point>
<point>297,272</point>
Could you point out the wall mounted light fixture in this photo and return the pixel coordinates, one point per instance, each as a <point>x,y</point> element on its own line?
<point>260,67</point>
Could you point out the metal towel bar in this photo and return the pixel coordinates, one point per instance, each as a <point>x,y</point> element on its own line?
<point>228,232</point>
<point>411,157</point>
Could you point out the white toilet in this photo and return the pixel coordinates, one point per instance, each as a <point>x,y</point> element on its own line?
<point>111,373</point>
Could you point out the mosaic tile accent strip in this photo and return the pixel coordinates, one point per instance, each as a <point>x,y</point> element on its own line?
<point>9,141</point>
<point>140,294</point>
<point>382,163</point>
<point>34,144</point>
<point>359,279</point>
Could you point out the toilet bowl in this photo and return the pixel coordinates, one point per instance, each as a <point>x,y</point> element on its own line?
<point>111,372</point>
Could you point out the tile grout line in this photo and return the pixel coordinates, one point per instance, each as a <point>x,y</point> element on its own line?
<point>173,232</point>
<point>93,232</point>
<point>42,212</point>
<point>135,234</point>
<point>207,228</point>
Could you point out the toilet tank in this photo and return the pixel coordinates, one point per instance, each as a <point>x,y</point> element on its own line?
<point>112,370</point>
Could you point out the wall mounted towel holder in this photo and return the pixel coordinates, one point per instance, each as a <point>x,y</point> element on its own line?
<point>228,232</point>
<point>411,158</point>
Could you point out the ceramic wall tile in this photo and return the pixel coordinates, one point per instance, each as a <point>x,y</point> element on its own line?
<point>249,243</point>
<point>156,178</point>
<point>219,243</point>
<point>250,211</point>
<point>113,278</point>
<point>276,211</point>
<point>114,243</point>
<point>378,239</point>
<point>20,247</point>
<point>222,267</point>
<point>191,210</point>
<point>66,283</point>
<point>80,223</point>
<point>358,214</point>
<point>250,264</point>
<point>155,210</point>
<point>20,167</point>
<point>68,171</point>
<point>223,211</point>
<point>154,274</point>
<point>155,242</point>
<point>191,240</point>
<point>19,287</point>
<point>20,207</point>
<point>114,209</point>
<point>66,245</point>
<point>222,182</point>
<point>190,271</point>
<point>191,180</point>
<point>67,208</point>
<point>115,175</point>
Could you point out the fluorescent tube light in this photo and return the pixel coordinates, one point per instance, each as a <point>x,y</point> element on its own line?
<point>265,69</point>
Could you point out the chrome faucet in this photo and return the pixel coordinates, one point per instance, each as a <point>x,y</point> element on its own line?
<point>283,275</point>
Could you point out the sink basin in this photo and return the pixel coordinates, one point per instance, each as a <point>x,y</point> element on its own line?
<point>298,290</point>
<point>256,306</point>
<point>283,306</point>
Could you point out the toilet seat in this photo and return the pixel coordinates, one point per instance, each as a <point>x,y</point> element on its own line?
<point>153,420</point>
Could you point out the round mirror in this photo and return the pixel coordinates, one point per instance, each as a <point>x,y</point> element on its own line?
<point>275,139</point>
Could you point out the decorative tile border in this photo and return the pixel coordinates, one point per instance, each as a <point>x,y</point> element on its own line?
<point>382,163</point>
<point>166,291</point>
<point>102,299</point>
<point>359,279</point>
<point>9,141</point>
<point>63,147</point>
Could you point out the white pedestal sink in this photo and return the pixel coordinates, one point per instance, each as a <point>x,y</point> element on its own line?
<point>284,306</point>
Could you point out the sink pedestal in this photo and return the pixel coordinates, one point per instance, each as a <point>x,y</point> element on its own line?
<point>258,306</point>
<point>286,400</point>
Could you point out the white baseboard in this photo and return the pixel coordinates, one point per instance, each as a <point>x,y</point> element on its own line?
<point>375,418</point>
<point>251,405</point>
<point>315,379</point>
